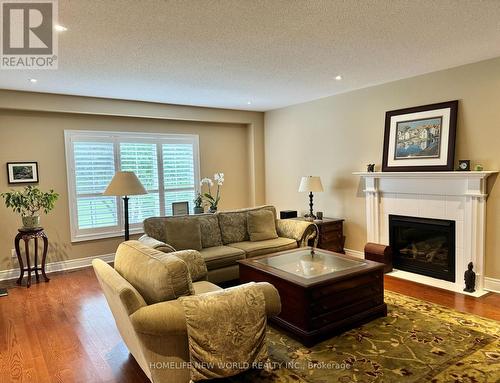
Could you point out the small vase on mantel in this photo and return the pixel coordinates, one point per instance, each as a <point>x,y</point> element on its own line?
<point>198,210</point>
<point>212,209</point>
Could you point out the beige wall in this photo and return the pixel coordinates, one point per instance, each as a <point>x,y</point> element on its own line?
<point>338,135</point>
<point>32,126</point>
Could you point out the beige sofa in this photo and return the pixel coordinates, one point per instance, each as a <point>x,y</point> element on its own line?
<point>142,292</point>
<point>224,238</point>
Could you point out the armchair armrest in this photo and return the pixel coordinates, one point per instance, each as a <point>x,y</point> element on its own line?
<point>155,244</point>
<point>271,295</point>
<point>167,318</point>
<point>301,231</point>
<point>164,318</point>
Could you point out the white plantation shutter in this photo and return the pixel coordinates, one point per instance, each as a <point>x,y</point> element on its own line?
<point>179,174</point>
<point>141,158</point>
<point>94,169</point>
<point>166,164</point>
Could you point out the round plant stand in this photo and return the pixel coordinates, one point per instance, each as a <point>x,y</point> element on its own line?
<point>27,235</point>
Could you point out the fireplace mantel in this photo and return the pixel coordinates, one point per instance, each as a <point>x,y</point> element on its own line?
<point>459,196</point>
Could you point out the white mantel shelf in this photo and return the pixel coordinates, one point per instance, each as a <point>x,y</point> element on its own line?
<point>456,174</point>
<point>459,196</point>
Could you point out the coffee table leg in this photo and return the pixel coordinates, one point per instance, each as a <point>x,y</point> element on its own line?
<point>36,259</point>
<point>28,267</point>
<point>19,258</point>
<point>44,256</point>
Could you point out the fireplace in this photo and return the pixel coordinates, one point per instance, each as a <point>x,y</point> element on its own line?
<point>423,245</point>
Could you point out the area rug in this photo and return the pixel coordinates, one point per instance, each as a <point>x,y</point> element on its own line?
<point>417,342</point>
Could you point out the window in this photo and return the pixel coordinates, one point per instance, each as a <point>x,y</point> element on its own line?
<point>166,164</point>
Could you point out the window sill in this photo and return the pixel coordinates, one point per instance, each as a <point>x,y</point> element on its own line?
<point>99,236</point>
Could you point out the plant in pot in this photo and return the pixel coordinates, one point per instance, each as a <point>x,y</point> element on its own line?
<point>198,204</point>
<point>213,200</point>
<point>29,202</point>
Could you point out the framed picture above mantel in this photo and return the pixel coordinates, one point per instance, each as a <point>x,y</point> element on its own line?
<point>421,138</point>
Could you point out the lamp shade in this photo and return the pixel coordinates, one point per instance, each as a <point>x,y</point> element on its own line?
<point>310,184</point>
<point>124,184</point>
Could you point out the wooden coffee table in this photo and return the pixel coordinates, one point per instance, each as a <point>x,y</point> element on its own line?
<point>322,294</point>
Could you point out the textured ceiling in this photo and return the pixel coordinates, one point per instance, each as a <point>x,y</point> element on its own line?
<point>224,53</point>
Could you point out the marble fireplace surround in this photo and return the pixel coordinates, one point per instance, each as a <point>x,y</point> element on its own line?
<point>457,196</point>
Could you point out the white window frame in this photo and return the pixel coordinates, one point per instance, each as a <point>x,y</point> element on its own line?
<point>71,136</point>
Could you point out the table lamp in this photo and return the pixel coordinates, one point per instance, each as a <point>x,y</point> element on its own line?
<point>124,184</point>
<point>310,184</point>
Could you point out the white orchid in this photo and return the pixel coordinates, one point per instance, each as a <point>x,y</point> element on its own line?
<point>213,201</point>
<point>207,181</point>
<point>219,178</point>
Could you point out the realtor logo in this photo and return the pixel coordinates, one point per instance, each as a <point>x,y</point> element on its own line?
<point>28,38</point>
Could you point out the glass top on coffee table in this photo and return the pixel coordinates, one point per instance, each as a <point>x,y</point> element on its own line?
<point>305,264</point>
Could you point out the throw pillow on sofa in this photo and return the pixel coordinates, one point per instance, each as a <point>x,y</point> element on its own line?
<point>261,225</point>
<point>183,233</point>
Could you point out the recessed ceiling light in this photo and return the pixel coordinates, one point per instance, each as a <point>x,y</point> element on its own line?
<point>60,28</point>
<point>33,80</point>
<point>338,77</point>
<point>249,102</point>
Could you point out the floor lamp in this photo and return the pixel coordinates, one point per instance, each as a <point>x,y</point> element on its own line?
<point>123,185</point>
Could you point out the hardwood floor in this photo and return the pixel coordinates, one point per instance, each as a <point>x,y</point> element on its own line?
<point>63,331</point>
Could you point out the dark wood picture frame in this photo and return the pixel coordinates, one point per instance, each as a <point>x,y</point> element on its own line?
<point>180,208</point>
<point>452,128</point>
<point>11,176</point>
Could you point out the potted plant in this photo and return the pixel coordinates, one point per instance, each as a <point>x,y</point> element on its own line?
<point>198,204</point>
<point>213,200</point>
<point>29,202</point>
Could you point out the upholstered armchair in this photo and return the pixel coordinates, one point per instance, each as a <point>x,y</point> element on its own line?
<point>142,291</point>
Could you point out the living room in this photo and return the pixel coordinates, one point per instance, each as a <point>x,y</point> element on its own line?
<point>270,113</point>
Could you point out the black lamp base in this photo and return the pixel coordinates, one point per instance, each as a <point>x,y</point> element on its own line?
<point>125,211</point>
<point>310,215</point>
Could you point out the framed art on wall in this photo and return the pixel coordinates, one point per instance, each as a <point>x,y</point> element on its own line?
<point>22,172</point>
<point>420,138</point>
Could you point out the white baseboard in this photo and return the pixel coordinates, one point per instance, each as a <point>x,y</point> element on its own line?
<point>69,264</point>
<point>355,253</point>
<point>492,284</point>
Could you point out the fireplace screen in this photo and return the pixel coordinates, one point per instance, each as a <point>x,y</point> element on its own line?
<point>423,246</point>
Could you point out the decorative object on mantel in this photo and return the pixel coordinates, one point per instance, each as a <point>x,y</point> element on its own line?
<point>319,215</point>
<point>213,201</point>
<point>370,168</point>
<point>478,168</point>
<point>198,204</point>
<point>470,279</point>
<point>123,185</point>
<point>452,195</point>
<point>310,184</point>
<point>420,138</point>
<point>22,172</point>
<point>29,203</point>
<point>464,165</point>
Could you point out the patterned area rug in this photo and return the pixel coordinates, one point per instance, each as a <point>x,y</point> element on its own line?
<point>417,342</point>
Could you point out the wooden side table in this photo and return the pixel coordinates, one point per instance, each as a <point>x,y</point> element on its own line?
<point>331,234</point>
<point>26,235</point>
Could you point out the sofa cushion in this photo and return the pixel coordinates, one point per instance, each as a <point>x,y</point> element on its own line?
<point>210,230</point>
<point>157,276</point>
<point>183,233</point>
<point>261,225</point>
<point>253,249</point>
<point>203,287</point>
<point>233,227</point>
<point>221,256</point>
